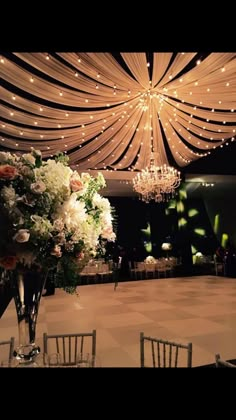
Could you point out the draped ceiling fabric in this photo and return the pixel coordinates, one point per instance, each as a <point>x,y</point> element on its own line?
<point>109,111</point>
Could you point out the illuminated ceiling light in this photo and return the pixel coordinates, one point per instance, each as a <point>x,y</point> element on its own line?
<point>155,182</point>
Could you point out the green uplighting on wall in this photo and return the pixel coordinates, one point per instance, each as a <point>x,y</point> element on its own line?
<point>182,194</point>
<point>193,249</point>
<point>172,204</point>
<point>147,232</point>
<point>224,239</point>
<point>199,231</point>
<point>182,222</point>
<point>148,247</point>
<point>167,212</point>
<point>192,212</point>
<point>180,207</point>
<point>216,223</point>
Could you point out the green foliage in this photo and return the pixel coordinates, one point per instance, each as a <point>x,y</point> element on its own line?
<point>61,157</point>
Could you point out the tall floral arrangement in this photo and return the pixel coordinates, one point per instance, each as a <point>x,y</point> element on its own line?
<point>50,216</point>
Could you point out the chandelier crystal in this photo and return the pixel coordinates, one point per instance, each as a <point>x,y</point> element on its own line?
<point>156,183</point>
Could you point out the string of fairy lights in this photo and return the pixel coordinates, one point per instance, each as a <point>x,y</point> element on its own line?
<point>111,115</point>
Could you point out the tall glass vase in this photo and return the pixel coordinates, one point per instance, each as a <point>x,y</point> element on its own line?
<point>27,290</point>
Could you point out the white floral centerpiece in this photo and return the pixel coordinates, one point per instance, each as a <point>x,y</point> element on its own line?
<point>150,260</point>
<point>50,215</point>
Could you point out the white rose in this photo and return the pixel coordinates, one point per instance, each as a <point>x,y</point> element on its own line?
<point>22,235</point>
<point>37,153</point>
<point>29,158</point>
<point>38,187</point>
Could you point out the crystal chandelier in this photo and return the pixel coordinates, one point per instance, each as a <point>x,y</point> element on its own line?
<point>155,182</point>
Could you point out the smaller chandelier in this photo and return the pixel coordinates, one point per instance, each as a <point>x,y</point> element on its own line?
<point>156,183</point>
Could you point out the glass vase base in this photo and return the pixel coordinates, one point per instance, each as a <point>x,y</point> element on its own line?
<point>26,354</point>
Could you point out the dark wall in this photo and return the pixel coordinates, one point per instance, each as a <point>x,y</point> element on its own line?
<point>133,215</point>
<point>226,208</point>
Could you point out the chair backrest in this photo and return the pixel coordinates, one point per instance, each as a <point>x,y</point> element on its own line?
<point>223,363</point>
<point>155,352</point>
<point>7,349</point>
<point>219,266</point>
<point>71,346</point>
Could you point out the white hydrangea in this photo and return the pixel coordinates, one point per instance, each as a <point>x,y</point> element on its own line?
<point>56,177</point>
<point>41,227</point>
<point>9,196</point>
<point>5,156</point>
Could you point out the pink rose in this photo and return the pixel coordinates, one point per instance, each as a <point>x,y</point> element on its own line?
<point>8,172</point>
<point>8,262</point>
<point>80,255</point>
<point>75,183</point>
